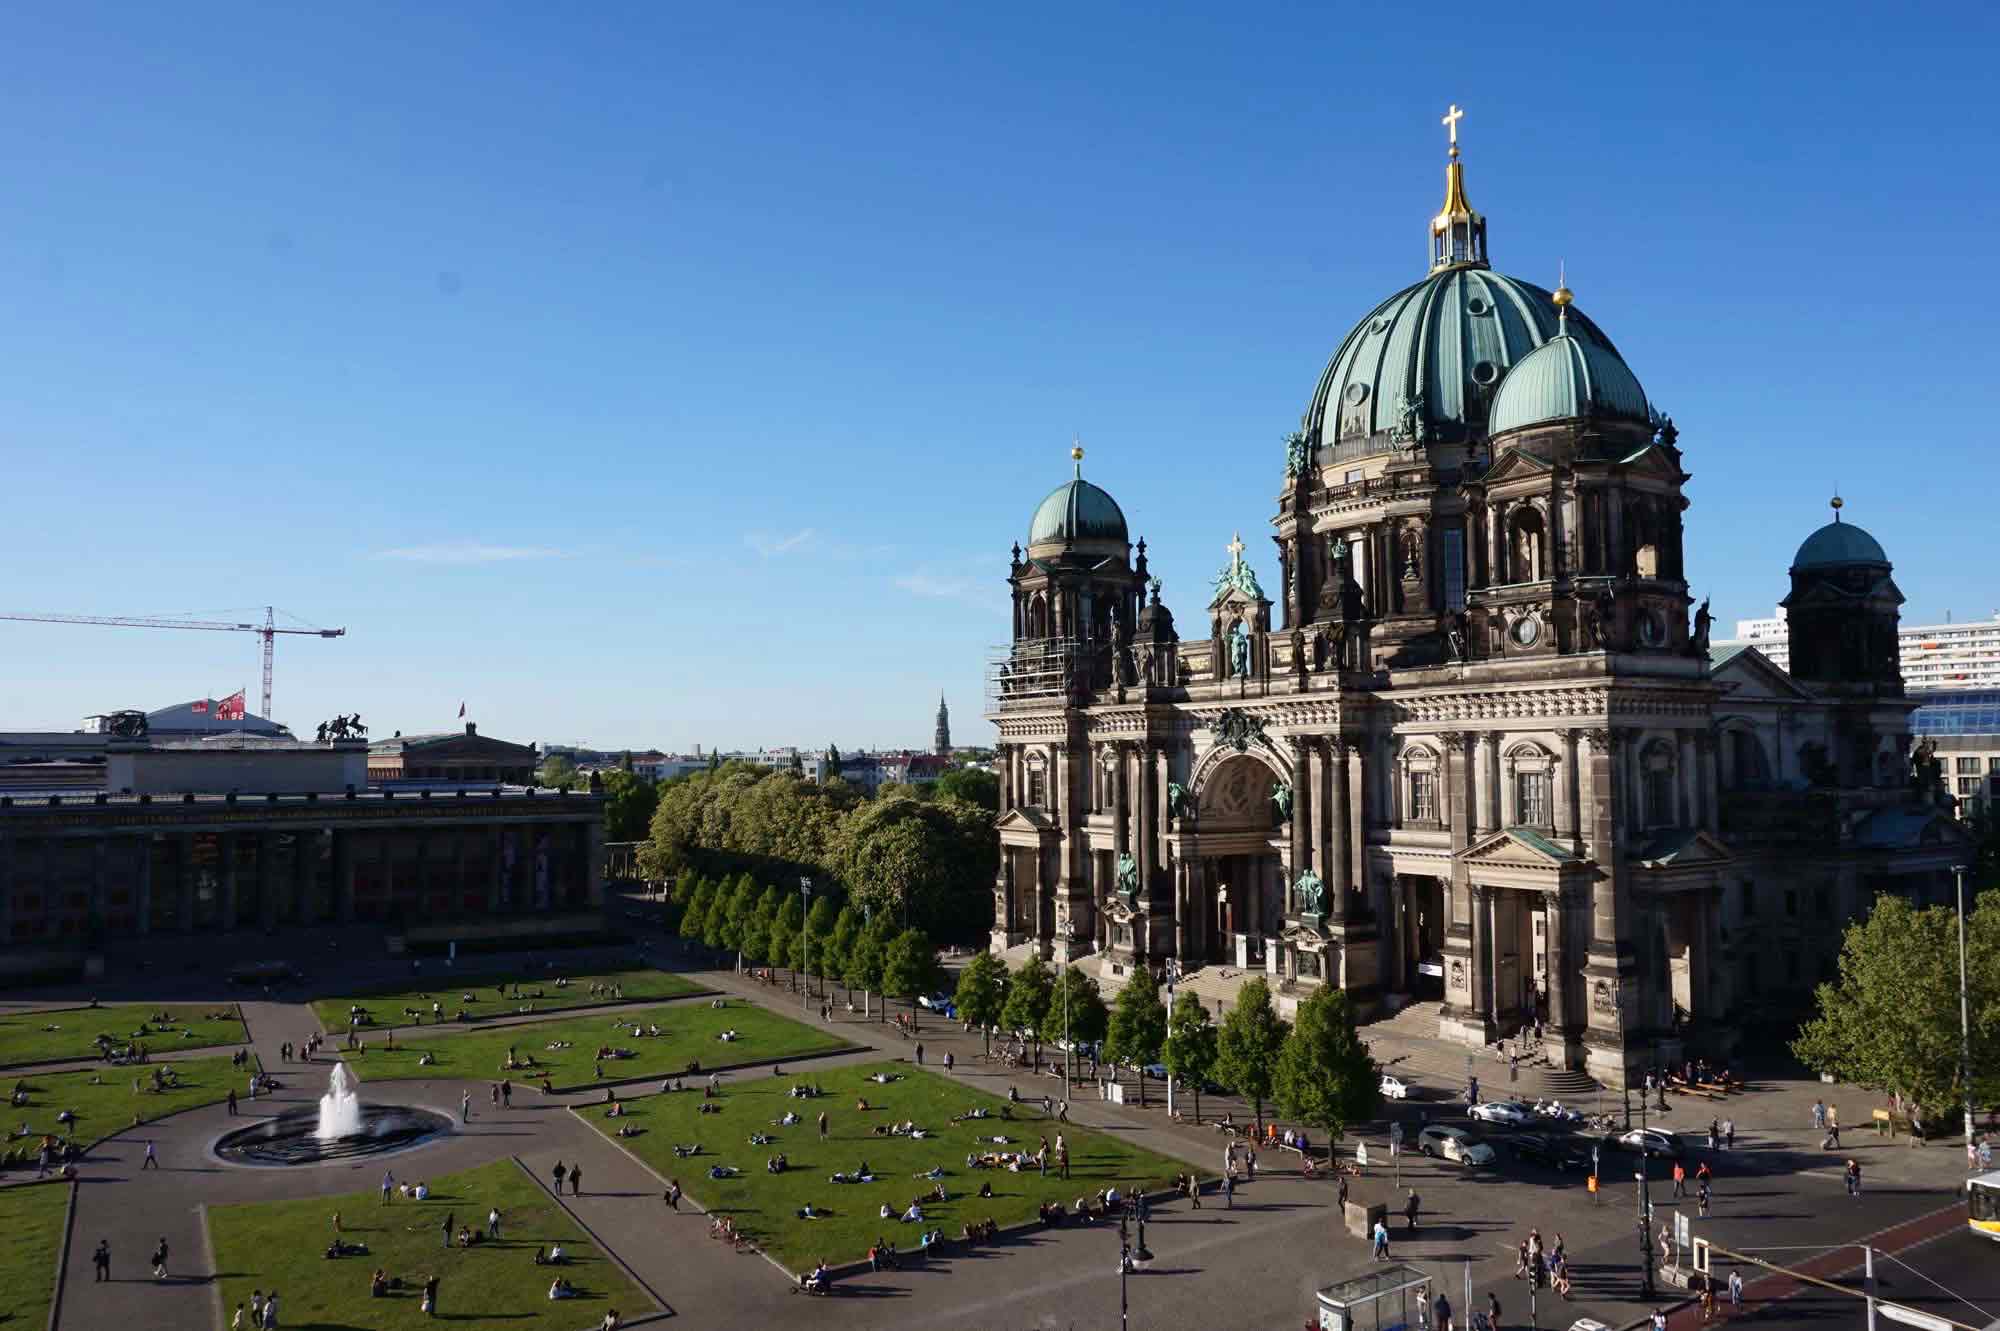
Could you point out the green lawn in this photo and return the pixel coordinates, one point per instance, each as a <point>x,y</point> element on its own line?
<point>27,1037</point>
<point>765,1206</point>
<point>689,1032</point>
<point>108,1104</point>
<point>31,1225</point>
<point>492,996</point>
<point>281,1246</point>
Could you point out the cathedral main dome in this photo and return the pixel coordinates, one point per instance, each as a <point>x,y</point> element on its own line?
<point>1424,365</point>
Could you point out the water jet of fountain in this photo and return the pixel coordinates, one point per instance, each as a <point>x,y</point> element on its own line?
<point>340,1107</point>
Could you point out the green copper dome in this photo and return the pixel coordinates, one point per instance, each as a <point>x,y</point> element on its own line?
<point>1839,543</point>
<point>1077,511</point>
<point>1450,340</point>
<point>1565,378</point>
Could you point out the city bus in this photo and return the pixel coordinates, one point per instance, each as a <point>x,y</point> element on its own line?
<point>1982,1204</point>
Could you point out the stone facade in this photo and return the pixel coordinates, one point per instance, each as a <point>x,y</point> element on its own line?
<point>1473,748</point>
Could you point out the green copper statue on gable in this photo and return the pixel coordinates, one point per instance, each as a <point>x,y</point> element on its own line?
<point>1311,894</point>
<point>1128,875</point>
<point>1281,795</point>
<point>1296,452</point>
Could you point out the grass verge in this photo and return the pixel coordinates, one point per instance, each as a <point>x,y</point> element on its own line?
<point>282,1245</point>
<point>765,1206</point>
<point>31,1226</point>
<point>108,1104</point>
<point>27,1037</point>
<point>690,1031</point>
<point>492,996</point>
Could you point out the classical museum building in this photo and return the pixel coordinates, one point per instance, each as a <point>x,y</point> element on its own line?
<point>1470,750</point>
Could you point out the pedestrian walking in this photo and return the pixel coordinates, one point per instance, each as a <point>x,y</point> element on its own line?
<point>1194,1191</point>
<point>101,1259</point>
<point>160,1259</point>
<point>1342,1195</point>
<point>430,1304</point>
<point>232,1102</point>
<point>1381,1238</point>
<point>947,1062</point>
<point>506,1093</point>
<point>822,1125</point>
<point>920,1053</point>
<point>560,1173</point>
<point>1701,1198</point>
<point>1854,1178</point>
<point>465,1107</point>
<point>1728,1134</point>
<point>1441,1313</point>
<point>493,1223</point>
<point>1659,1319</point>
<point>1735,1290</point>
<point>1492,1311</point>
<point>1229,1192</point>
<point>1714,1133</point>
<point>1062,1158</point>
<point>256,1307</point>
<point>673,1194</point>
<point>152,1160</point>
<point>271,1312</point>
<point>1411,1209</point>
<point>447,1230</point>
<point>576,1180</point>
<point>493,1095</point>
<point>1062,1111</point>
<point>1680,1179</point>
<point>388,1187</point>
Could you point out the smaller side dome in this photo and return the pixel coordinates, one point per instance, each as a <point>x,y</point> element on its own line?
<point>1836,544</point>
<point>1567,378</point>
<point>1077,511</point>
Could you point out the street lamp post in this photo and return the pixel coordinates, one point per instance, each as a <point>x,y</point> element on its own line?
<point>805,943</point>
<point>1964,1021</point>
<point>1643,1195</point>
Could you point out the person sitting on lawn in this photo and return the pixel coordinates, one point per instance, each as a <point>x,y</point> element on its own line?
<point>986,1189</point>
<point>776,1164</point>
<point>861,1103</point>
<point>806,1212</point>
<point>789,1120</point>
<point>541,1256</point>
<point>560,1288</point>
<point>887,1212</point>
<point>627,1130</point>
<point>938,1194</point>
<point>682,1152</point>
<point>556,1257</point>
<point>914,1215</point>
<point>761,1139</point>
<point>722,1171</point>
<point>378,1284</point>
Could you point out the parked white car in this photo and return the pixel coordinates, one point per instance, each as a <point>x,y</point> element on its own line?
<point>1394,1088</point>
<point>1512,1113</point>
<point>1455,1144</point>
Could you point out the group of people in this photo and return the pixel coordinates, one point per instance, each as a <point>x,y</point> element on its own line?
<point>262,1312</point>
<point>1540,1267</point>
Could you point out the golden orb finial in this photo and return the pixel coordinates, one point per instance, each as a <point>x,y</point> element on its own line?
<point>1563,295</point>
<point>1836,504</point>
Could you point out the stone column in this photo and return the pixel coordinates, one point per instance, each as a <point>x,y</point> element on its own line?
<point>1485,782</point>
<point>99,849</point>
<point>1302,807</point>
<point>1121,814</point>
<point>1711,788</point>
<point>1180,909</point>
<point>1560,1046</point>
<point>1687,782</point>
<point>184,870</point>
<point>1142,839</point>
<point>1340,859</point>
<point>343,875</point>
<point>594,862</point>
<point>1568,794</point>
<point>226,847</point>
<point>267,886</point>
<point>1482,951</point>
<point>142,893</point>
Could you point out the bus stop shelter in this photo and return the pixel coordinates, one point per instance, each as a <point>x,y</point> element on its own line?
<point>1393,1297</point>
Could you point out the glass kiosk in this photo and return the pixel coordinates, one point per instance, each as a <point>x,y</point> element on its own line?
<point>1386,1298</point>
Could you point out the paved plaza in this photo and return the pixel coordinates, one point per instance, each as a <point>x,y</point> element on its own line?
<point>1251,1262</point>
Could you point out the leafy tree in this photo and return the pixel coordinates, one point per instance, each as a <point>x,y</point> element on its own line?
<point>629,802</point>
<point>864,965</point>
<point>558,772</point>
<point>1890,1022</point>
<point>817,938</point>
<point>754,943</point>
<point>1325,1076</point>
<point>1247,1045</point>
<point>1138,1024</point>
<point>1027,1006</point>
<point>1190,1049</point>
<point>739,912</point>
<point>832,761</point>
<point>930,862</point>
<point>715,921</point>
<point>1076,1002</point>
<point>982,993</point>
<point>694,917</point>
<point>910,968</point>
<point>973,785</point>
<point>785,936</point>
<point>840,945</point>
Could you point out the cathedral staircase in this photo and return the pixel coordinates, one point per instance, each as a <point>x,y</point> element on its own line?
<point>1408,1045</point>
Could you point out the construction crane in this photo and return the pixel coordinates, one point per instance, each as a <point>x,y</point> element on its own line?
<point>268,631</point>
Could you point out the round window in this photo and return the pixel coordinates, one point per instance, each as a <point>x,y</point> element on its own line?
<point>1484,373</point>
<point>1527,631</point>
<point>1357,393</point>
<point>1478,305</point>
<point>1652,629</point>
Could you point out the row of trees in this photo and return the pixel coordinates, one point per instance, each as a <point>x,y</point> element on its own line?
<point>1316,1070</point>
<point>926,861</point>
<point>769,926</point>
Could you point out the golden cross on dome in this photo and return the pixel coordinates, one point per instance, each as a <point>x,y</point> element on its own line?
<point>1450,122</point>
<point>1236,549</point>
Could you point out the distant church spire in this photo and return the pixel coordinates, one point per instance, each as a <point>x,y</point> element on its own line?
<point>942,746</point>
<point>1458,234</point>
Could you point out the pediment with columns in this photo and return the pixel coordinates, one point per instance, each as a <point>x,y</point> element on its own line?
<point>1525,858</point>
<point>1026,824</point>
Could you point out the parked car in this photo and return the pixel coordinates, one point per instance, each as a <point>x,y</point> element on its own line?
<point>1512,1113</point>
<point>1394,1088</point>
<point>1651,1141</point>
<point>1454,1144</point>
<point>1552,1151</point>
<point>942,1004</point>
<point>1556,1111</point>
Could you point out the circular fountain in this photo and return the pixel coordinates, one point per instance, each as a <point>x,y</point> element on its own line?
<point>342,1128</point>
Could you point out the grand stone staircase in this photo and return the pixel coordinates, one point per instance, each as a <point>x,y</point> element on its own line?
<point>1408,1045</point>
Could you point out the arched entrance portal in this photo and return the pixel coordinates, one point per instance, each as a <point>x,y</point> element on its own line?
<point>1236,871</point>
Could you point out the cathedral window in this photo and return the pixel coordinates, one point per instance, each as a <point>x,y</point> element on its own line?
<point>1527,547</point>
<point>1038,788</point>
<point>1657,785</point>
<point>1454,568</point>
<point>1423,797</point>
<point>1533,799</point>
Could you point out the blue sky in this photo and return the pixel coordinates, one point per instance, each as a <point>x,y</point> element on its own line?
<point>667,375</point>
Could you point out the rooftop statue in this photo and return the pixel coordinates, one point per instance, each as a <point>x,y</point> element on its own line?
<point>1311,894</point>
